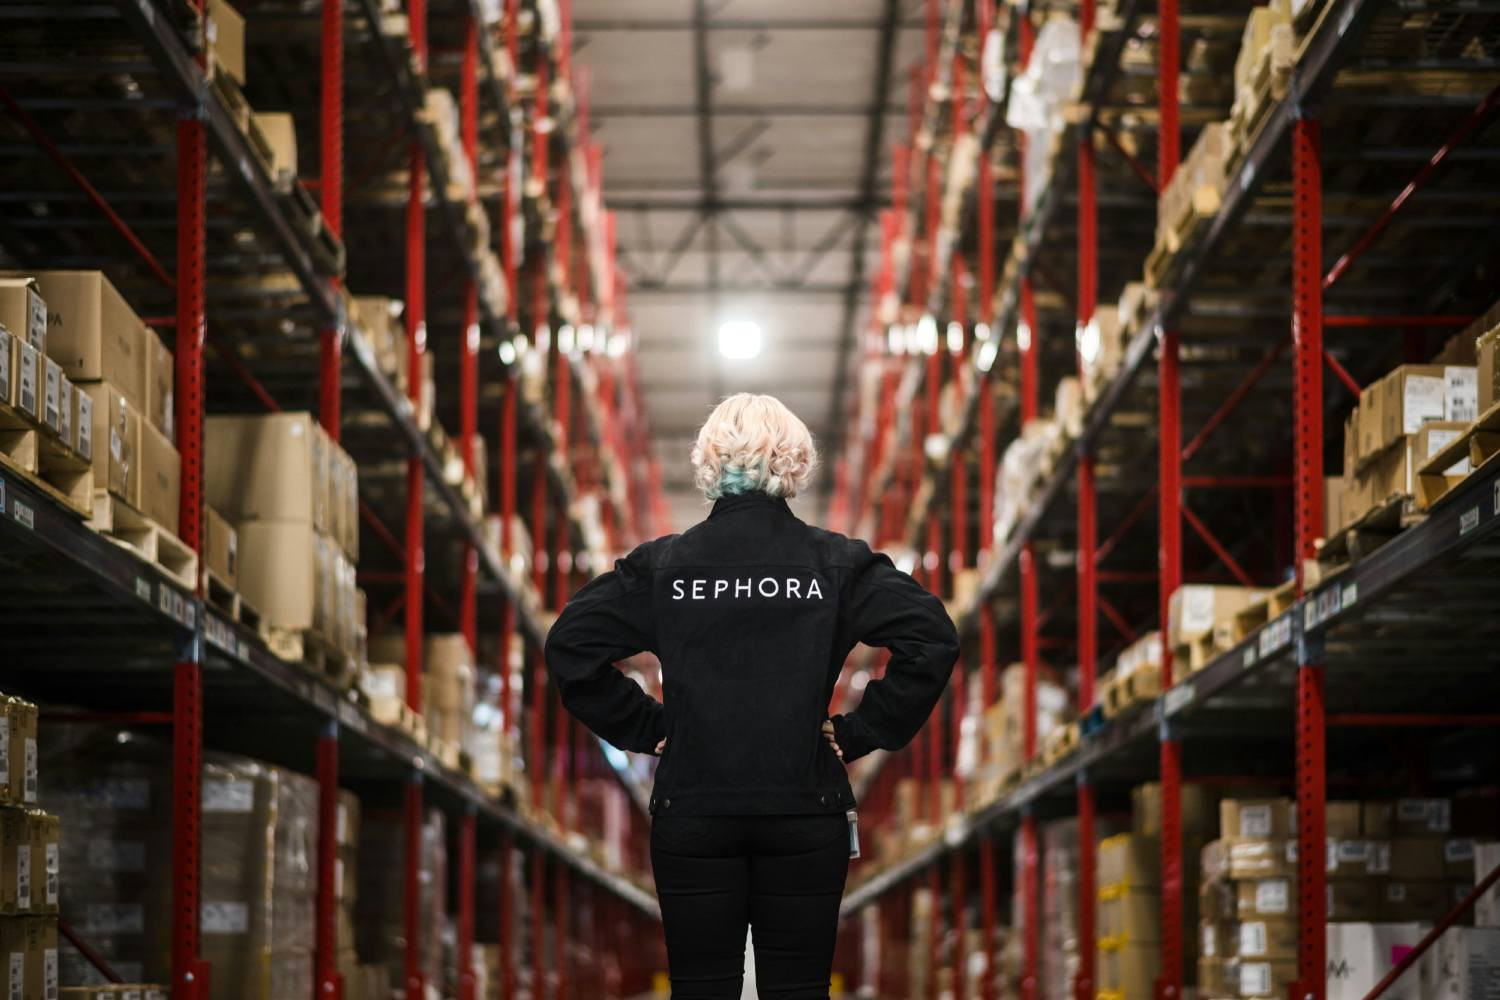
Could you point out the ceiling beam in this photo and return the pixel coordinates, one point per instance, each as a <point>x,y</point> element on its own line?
<point>693,203</point>
<point>737,24</point>
<point>874,153</point>
<point>600,112</point>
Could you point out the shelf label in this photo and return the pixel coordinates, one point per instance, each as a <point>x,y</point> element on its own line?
<point>1250,658</point>
<point>349,716</point>
<point>26,519</point>
<point>1496,511</point>
<point>2,495</point>
<point>1178,698</point>
<point>219,633</point>
<point>1350,595</point>
<point>1467,522</point>
<point>143,589</point>
<point>1275,636</point>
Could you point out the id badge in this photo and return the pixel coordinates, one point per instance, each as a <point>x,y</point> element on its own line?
<point>853,833</point>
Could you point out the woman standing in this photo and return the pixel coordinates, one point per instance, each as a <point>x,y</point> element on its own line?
<point>752,614</point>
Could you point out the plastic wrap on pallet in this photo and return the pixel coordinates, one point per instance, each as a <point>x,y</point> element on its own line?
<point>1039,98</point>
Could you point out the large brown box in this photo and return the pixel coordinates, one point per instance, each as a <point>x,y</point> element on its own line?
<point>23,310</point>
<point>1257,818</point>
<point>159,485</point>
<point>1352,899</point>
<point>161,386</point>
<point>264,467</point>
<point>1421,901</point>
<point>115,433</point>
<point>1342,820</point>
<point>1274,939</point>
<point>1129,971</point>
<point>1129,860</point>
<point>280,133</point>
<point>1195,610</point>
<point>45,834</point>
<point>1249,858</point>
<point>28,952</point>
<point>226,38</point>
<point>7,367</point>
<point>1266,897</point>
<point>221,548</point>
<point>17,878</point>
<point>18,770</point>
<point>1198,805</point>
<point>1416,859</point>
<point>94,334</point>
<point>1489,369</point>
<point>278,572</point>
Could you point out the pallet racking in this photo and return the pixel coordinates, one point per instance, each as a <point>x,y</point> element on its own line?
<point>1204,359</point>
<point>125,91</point>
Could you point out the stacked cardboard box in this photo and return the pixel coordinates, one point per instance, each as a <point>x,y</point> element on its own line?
<point>448,681</point>
<point>379,926</point>
<point>30,849</point>
<point>292,495</point>
<point>1247,902</point>
<point>259,879</point>
<point>1200,621</point>
<point>1127,919</point>
<point>1059,930</point>
<point>1003,749</point>
<point>1402,420</point>
<point>1196,186</point>
<point>378,317</point>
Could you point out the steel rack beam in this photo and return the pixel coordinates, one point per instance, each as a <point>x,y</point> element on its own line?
<point>1324,52</point>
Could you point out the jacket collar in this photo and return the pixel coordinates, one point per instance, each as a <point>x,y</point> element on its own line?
<point>746,501</point>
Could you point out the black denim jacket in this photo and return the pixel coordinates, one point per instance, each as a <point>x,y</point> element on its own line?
<point>752,613</point>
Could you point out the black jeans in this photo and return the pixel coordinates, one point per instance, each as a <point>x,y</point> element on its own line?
<point>782,876</point>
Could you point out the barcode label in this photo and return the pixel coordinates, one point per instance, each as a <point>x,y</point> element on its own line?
<point>30,783</point>
<point>4,740</point>
<point>54,870</point>
<point>49,974</point>
<point>225,918</point>
<point>17,976</point>
<point>1272,896</point>
<point>23,877</point>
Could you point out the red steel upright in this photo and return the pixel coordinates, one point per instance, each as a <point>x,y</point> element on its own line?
<point>411,886</point>
<point>188,971</point>
<point>1169,555</point>
<point>467,842</point>
<point>468,379</point>
<point>1307,338</point>
<point>327,983</point>
<point>331,199</point>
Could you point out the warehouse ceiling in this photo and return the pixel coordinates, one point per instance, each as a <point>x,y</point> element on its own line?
<point>747,154</point>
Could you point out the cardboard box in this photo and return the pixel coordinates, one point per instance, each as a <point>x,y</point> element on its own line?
<point>263,467</point>
<point>1416,817</point>
<point>117,434</point>
<point>23,310</point>
<point>1486,860</point>
<point>161,384</point>
<point>1238,858</point>
<point>7,367</point>
<point>28,951</point>
<point>1464,964</point>
<point>1129,860</point>
<point>1421,901</point>
<point>1266,897</point>
<point>1377,819</point>
<point>1333,505</point>
<point>1352,899</point>
<point>1131,917</point>
<point>83,423</point>
<point>1217,939</point>
<point>1274,939</point>
<point>1258,818</point>
<point>1360,954</point>
<point>159,484</point>
<point>1198,805</point>
<point>221,548</point>
<point>1417,859</point>
<point>1411,395</point>
<point>226,39</point>
<point>17,878</point>
<point>280,133</point>
<point>1217,977</point>
<point>44,835</point>
<point>93,333</point>
<point>1266,978</point>
<point>1342,820</point>
<point>1130,970</point>
<point>18,771</point>
<point>29,373</point>
<point>1357,858</point>
<point>285,573</point>
<point>1487,392</point>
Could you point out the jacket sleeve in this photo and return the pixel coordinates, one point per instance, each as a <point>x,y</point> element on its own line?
<point>891,610</point>
<point>608,620</point>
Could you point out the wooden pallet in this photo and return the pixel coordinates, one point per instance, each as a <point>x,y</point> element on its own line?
<point>1373,529</point>
<point>1060,743</point>
<point>45,462</point>
<point>446,751</point>
<point>1132,691</point>
<point>1478,445</point>
<point>230,603</point>
<point>129,528</point>
<point>233,99</point>
<point>395,712</point>
<point>1268,608</point>
<point>316,654</point>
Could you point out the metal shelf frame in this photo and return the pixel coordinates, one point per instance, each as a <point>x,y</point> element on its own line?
<point>209,648</point>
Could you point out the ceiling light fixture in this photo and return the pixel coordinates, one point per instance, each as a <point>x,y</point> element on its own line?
<point>739,339</point>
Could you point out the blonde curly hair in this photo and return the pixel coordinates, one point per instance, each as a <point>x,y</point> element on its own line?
<point>752,443</point>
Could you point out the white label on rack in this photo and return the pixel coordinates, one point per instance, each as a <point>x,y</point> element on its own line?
<point>51,395</point>
<point>17,978</point>
<point>1178,698</point>
<point>1255,821</point>
<point>4,365</point>
<point>1272,895</point>
<point>27,519</point>
<point>30,779</point>
<point>26,380</point>
<point>226,918</point>
<point>85,447</point>
<point>1422,399</point>
<point>114,918</point>
<point>49,974</point>
<point>1253,943</point>
<point>54,870</point>
<point>228,795</point>
<point>4,749</point>
<point>23,877</point>
<point>1468,521</point>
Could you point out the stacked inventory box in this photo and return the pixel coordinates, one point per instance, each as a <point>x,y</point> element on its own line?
<point>1127,919</point>
<point>114,991</point>
<point>1004,735</point>
<point>921,976</point>
<point>1401,421</point>
<point>30,848</point>
<point>448,681</point>
<point>346,882</point>
<point>293,497</point>
<point>259,879</point>
<point>1201,621</point>
<point>379,920</point>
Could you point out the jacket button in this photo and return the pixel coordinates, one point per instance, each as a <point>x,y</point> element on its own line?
<point>666,803</point>
<point>822,800</point>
